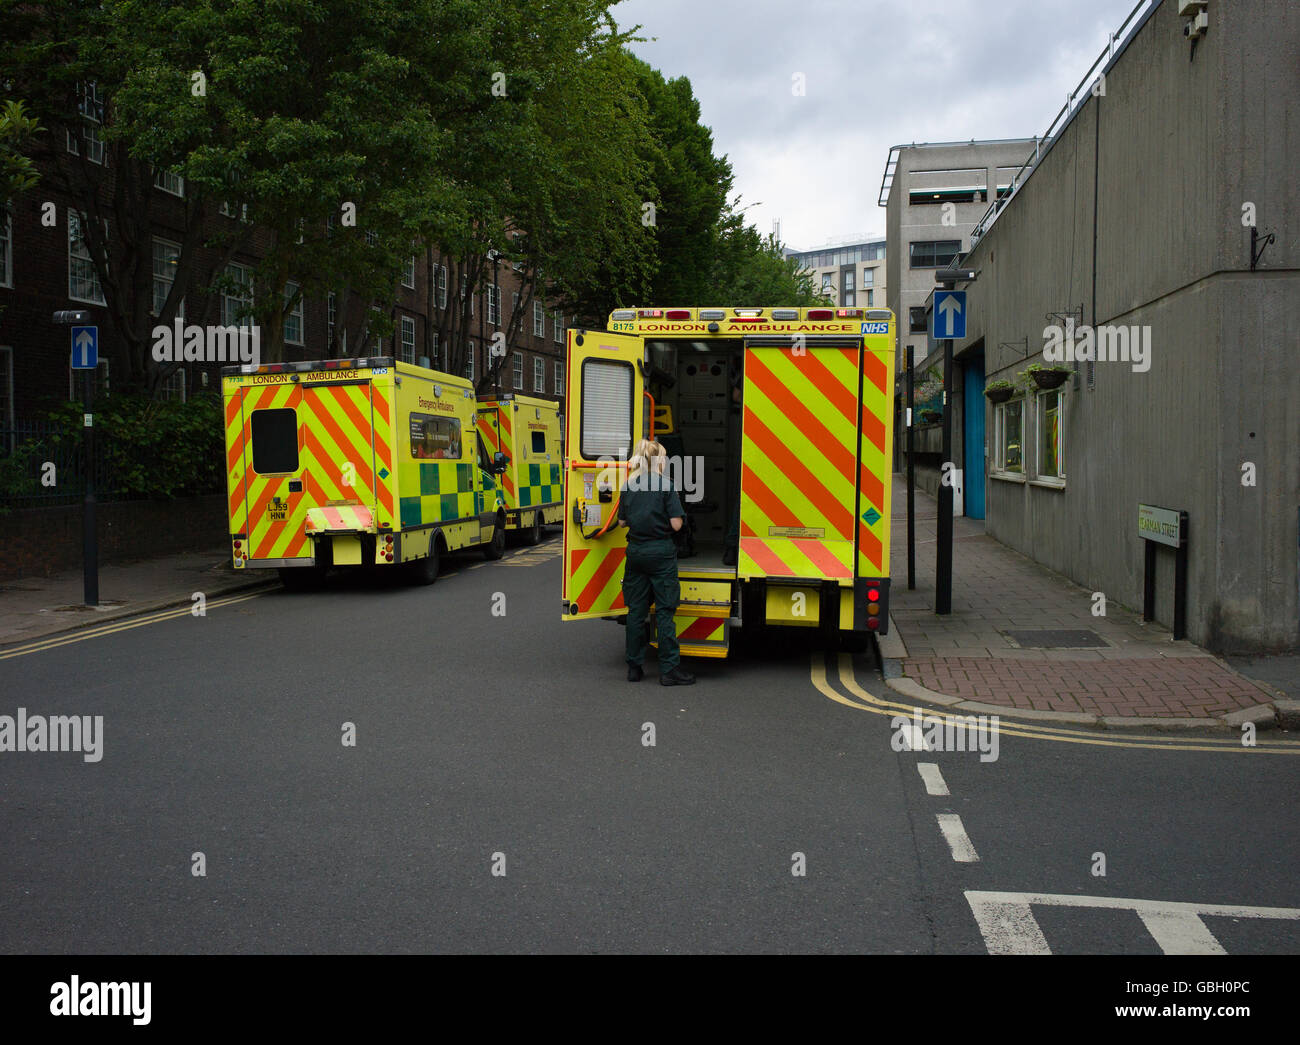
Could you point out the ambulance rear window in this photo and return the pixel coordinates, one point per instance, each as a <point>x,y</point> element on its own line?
<point>275,441</point>
<point>606,409</point>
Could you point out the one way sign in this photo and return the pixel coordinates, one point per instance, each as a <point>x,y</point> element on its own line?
<point>85,348</point>
<point>950,313</point>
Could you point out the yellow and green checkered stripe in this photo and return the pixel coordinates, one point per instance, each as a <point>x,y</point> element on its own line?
<point>545,486</point>
<point>436,492</point>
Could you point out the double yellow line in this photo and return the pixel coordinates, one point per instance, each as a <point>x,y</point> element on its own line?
<point>860,700</point>
<point>66,638</point>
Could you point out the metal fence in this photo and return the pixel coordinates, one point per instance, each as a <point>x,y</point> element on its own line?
<point>42,464</point>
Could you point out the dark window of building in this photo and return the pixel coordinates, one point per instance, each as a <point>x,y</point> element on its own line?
<point>934,254</point>
<point>916,320</point>
<point>275,441</point>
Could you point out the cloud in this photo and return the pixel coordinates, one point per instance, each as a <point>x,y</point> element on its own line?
<point>877,74</point>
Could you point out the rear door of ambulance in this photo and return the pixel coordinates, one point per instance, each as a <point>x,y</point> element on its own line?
<point>799,458</point>
<point>493,420</point>
<point>605,417</point>
<point>323,441</point>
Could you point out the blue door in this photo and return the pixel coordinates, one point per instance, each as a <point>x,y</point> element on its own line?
<point>973,412</point>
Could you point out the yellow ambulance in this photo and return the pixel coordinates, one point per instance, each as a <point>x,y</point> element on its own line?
<point>527,432</point>
<point>353,462</point>
<point>778,427</point>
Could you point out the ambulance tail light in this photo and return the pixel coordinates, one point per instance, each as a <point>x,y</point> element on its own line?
<point>678,313</point>
<point>848,313</point>
<point>650,313</point>
<point>821,313</point>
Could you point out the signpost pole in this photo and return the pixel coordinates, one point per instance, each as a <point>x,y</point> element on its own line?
<point>911,471</point>
<point>1180,580</point>
<point>943,557</point>
<point>90,533</point>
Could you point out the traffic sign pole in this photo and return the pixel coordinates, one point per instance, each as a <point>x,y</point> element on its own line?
<point>949,314</point>
<point>90,533</point>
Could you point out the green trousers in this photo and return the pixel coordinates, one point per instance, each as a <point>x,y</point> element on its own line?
<point>651,567</point>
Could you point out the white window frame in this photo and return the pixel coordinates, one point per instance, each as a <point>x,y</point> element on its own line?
<point>469,362</point>
<point>514,305</point>
<point>231,303</point>
<point>1040,420</point>
<point>464,292</point>
<point>295,313</point>
<point>172,384</point>
<point>559,328</point>
<point>7,253</point>
<point>1000,412</point>
<point>517,371</point>
<point>559,377</point>
<point>406,325</point>
<point>539,319</point>
<point>408,276</point>
<point>435,360</point>
<point>440,286</point>
<point>492,298</point>
<point>158,301</point>
<point>169,182</point>
<point>74,230</point>
<point>539,374</point>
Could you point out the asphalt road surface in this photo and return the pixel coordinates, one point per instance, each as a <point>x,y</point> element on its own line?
<point>503,795</point>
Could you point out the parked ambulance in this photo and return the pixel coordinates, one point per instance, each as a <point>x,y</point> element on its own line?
<point>354,462</point>
<point>527,432</point>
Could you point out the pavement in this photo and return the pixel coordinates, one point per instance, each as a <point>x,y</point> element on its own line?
<point>35,607</point>
<point>979,658</point>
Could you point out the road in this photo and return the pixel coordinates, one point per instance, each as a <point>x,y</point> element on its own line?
<point>513,744</point>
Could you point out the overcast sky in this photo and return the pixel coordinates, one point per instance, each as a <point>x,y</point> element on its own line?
<point>878,73</point>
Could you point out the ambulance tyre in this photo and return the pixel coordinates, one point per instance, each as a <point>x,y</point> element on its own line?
<point>425,571</point>
<point>855,641</point>
<point>301,578</point>
<point>496,547</point>
<point>533,534</point>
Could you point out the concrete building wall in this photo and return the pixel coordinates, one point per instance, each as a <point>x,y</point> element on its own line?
<point>1176,146</point>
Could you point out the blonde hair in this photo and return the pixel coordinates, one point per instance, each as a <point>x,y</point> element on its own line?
<point>648,454</point>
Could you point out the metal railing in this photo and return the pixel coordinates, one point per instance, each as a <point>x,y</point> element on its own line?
<point>42,465</point>
<point>1074,104</point>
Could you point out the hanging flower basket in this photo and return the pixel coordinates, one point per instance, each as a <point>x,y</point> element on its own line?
<point>1000,391</point>
<point>1049,378</point>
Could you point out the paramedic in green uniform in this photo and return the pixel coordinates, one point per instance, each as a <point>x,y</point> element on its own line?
<point>652,512</point>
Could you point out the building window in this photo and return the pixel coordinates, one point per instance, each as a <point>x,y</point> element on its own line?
<point>916,323</point>
<point>539,320</point>
<point>850,299</point>
<point>435,347</point>
<point>228,210</point>
<point>933,254</point>
<point>6,386</point>
<point>169,181</point>
<point>519,372</point>
<point>440,286</point>
<point>166,258</point>
<point>514,306</point>
<point>6,253</point>
<point>331,313</point>
<point>539,374</point>
<point>293,329</point>
<point>408,340</point>
<point>559,327</point>
<point>372,238</point>
<point>91,108</point>
<point>83,280</point>
<point>868,278</point>
<point>826,284</point>
<point>469,362</point>
<point>1009,426</point>
<point>493,297</point>
<point>559,378</point>
<point>871,298</point>
<point>848,282</point>
<point>408,277</point>
<point>464,293</point>
<point>174,386</point>
<point>237,296</point>
<point>1051,445</point>
<point>379,339</point>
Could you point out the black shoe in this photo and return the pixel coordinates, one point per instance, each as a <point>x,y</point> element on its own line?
<point>677,677</point>
<point>635,673</point>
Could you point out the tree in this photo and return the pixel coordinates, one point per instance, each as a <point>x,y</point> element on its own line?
<point>17,171</point>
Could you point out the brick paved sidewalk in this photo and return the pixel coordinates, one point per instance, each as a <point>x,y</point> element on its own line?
<point>1139,671</point>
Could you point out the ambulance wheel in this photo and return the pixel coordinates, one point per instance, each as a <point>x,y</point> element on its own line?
<point>533,534</point>
<point>855,641</point>
<point>496,547</point>
<point>425,571</point>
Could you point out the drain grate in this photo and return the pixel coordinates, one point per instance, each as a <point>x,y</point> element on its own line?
<point>1057,638</point>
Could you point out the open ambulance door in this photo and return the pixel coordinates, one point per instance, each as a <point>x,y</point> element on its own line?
<point>606,415</point>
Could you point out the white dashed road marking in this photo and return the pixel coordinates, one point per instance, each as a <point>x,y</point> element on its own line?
<point>958,841</point>
<point>934,782</point>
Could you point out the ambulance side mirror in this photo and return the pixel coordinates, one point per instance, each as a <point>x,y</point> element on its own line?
<point>499,463</point>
